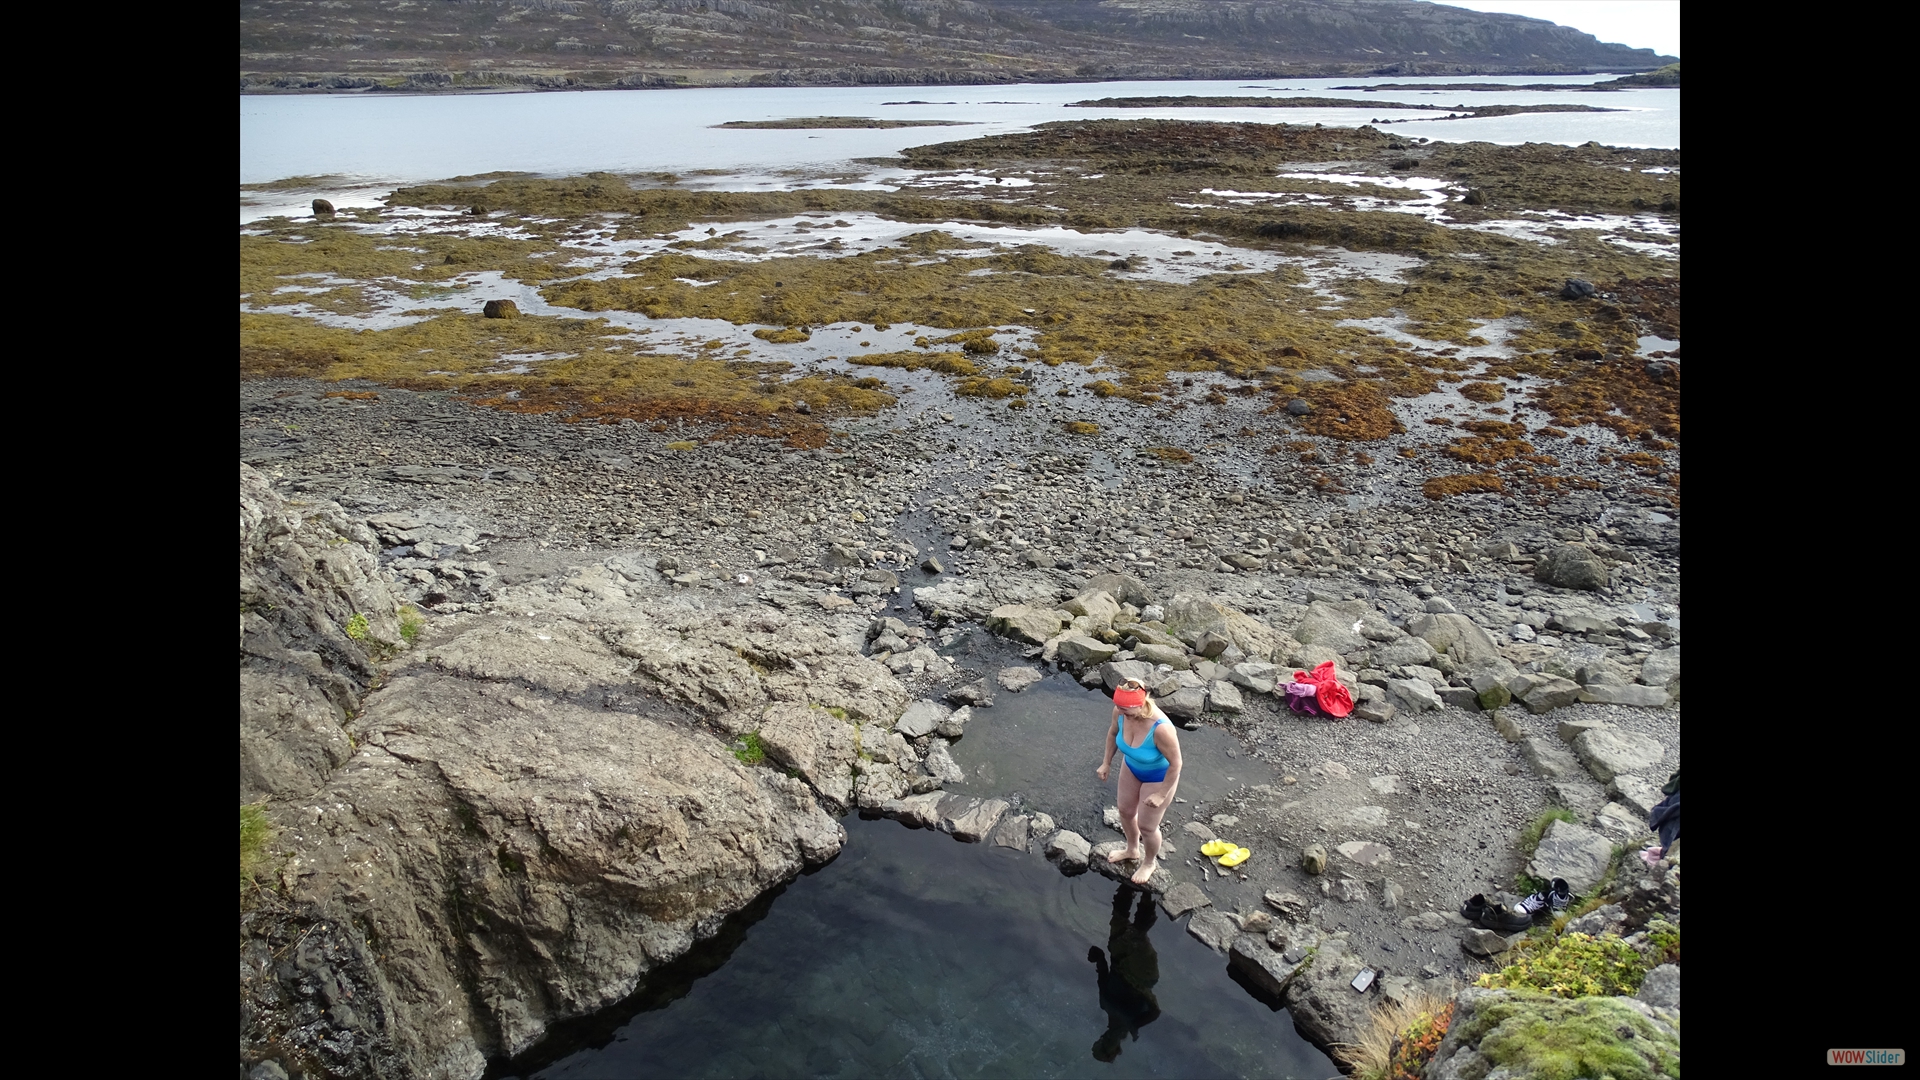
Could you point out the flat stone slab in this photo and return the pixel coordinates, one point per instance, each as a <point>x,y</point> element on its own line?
<point>1607,753</point>
<point>1646,697</point>
<point>1637,793</point>
<point>1213,929</point>
<point>1547,760</point>
<point>1365,853</point>
<point>1573,852</point>
<point>976,821</point>
<point>1183,898</point>
<point>1015,679</point>
<point>922,810</point>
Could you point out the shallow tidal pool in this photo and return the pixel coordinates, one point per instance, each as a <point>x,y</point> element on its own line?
<point>912,955</point>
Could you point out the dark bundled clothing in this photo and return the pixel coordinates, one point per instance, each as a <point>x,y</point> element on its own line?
<point>1664,819</point>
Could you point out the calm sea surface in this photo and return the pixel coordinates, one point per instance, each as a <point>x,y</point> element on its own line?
<point>370,144</point>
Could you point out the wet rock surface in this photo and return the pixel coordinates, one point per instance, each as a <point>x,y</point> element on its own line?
<point>562,743</point>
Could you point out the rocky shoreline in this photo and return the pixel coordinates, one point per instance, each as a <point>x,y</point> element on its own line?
<point>532,706</point>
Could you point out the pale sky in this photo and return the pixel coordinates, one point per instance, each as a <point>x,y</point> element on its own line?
<point>1641,24</point>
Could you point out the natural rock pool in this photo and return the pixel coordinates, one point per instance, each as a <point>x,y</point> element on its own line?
<point>913,955</point>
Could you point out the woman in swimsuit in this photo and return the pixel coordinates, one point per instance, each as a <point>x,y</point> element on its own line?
<point>1147,739</point>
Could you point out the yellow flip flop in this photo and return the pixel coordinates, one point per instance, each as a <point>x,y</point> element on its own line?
<point>1236,857</point>
<point>1213,849</point>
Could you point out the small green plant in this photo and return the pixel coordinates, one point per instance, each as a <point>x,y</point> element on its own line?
<point>1530,836</point>
<point>1573,965</point>
<point>255,831</point>
<point>748,749</point>
<point>411,623</point>
<point>357,626</point>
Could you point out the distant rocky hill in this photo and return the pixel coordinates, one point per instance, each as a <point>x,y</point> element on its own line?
<point>478,44</point>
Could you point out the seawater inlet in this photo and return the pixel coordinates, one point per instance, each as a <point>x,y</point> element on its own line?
<point>914,955</point>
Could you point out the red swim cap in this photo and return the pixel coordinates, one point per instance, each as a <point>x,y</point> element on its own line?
<point>1128,698</point>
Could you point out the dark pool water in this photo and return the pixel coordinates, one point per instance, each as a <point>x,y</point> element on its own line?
<point>912,955</point>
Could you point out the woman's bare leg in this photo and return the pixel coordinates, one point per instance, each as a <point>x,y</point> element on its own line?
<point>1148,826</point>
<point>1128,802</point>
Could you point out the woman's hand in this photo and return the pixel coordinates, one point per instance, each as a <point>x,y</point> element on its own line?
<point>1156,801</point>
<point>1102,770</point>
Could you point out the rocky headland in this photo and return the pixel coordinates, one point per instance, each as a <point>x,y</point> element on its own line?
<point>360,46</point>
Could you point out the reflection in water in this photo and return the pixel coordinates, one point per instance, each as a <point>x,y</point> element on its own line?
<point>1126,983</point>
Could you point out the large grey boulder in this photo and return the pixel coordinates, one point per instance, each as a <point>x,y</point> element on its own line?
<point>1571,566</point>
<point>1661,987</point>
<point>1192,618</point>
<point>1161,654</point>
<point>1407,650</point>
<point>1607,752</point>
<point>1256,676</point>
<point>920,718</point>
<point>1661,667</point>
<point>1096,604</point>
<point>1186,703</point>
<point>814,743</point>
<point>1346,626</point>
<point>1125,588</point>
<point>1182,898</point>
<point>975,821</point>
<point>1082,651</point>
<point>1412,695</point>
<point>1115,672</point>
<point>1026,623</point>
<point>1223,696</point>
<point>941,766</point>
<point>1549,693</point>
<point>1573,852</point>
<point>1467,644</point>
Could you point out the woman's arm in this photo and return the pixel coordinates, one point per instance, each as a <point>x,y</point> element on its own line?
<point>1113,728</point>
<point>1166,737</point>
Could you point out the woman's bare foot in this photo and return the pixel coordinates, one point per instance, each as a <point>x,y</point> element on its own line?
<point>1124,856</point>
<point>1145,873</point>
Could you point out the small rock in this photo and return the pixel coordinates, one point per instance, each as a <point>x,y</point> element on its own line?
<point>1014,832</point>
<point>932,566</point>
<point>1196,830</point>
<point>1661,987</point>
<point>921,718</point>
<point>1291,905</point>
<point>1110,817</point>
<point>1391,894</point>
<point>1508,727</point>
<point>1070,850</point>
<point>321,208</point>
<point>1577,289</point>
<point>1298,407</point>
<point>941,766</point>
<point>1483,943</point>
<point>1314,859</point>
<point>954,725</point>
<point>501,309</point>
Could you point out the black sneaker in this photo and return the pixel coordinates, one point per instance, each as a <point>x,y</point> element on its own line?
<point>1505,920</point>
<point>1475,908</point>
<point>1560,896</point>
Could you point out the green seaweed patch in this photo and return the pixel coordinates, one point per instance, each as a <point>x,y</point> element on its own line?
<point>1484,392</point>
<point>981,386</point>
<point>787,336</point>
<point>1081,427</point>
<point>1171,454</point>
<point>1556,1039</point>
<point>946,362</point>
